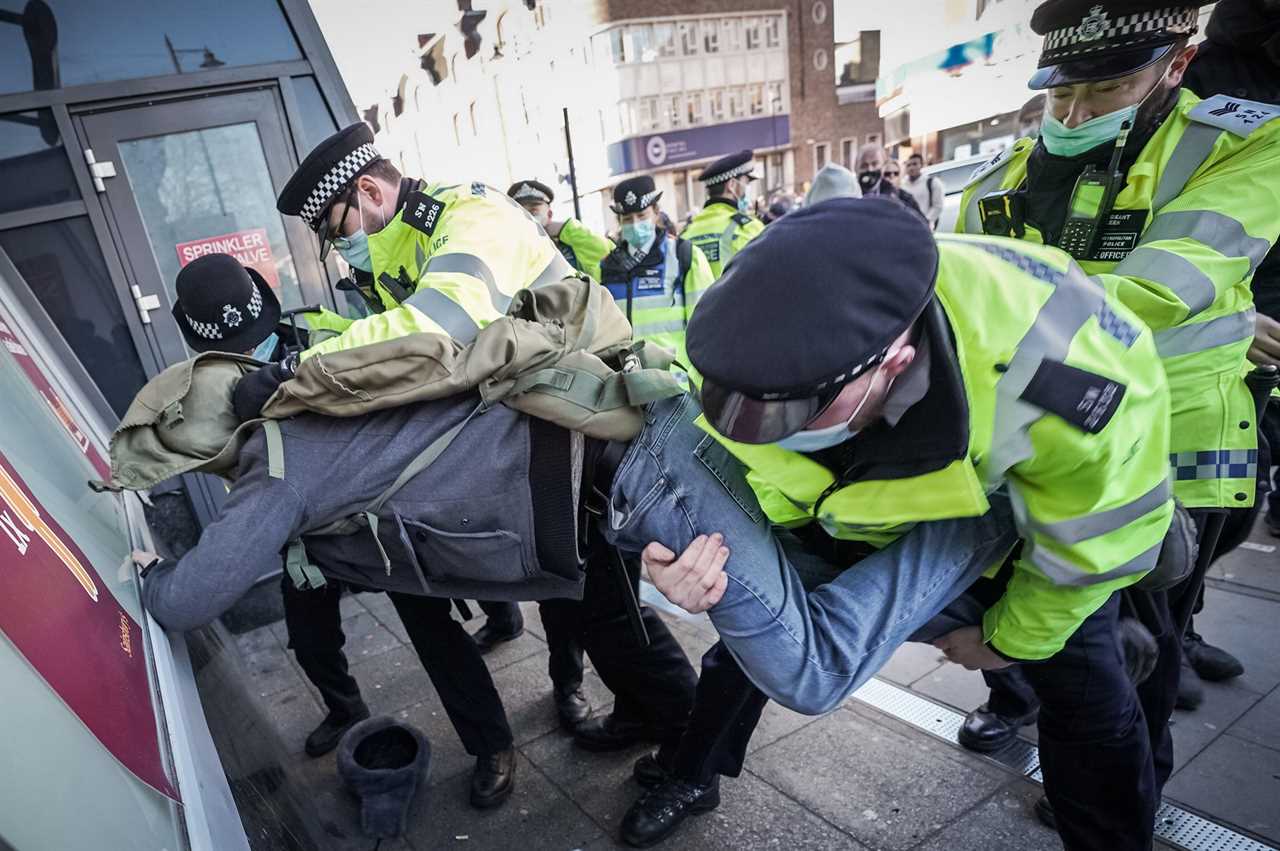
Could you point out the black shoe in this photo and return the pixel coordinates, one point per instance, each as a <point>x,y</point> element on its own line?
<point>1211,663</point>
<point>985,731</point>
<point>649,771</point>
<point>661,810</point>
<point>609,734</point>
<point>1190,689</point>
<point>488,637</point>
<point>572,706</point>
<point>1044,812</point>
<point>326,737</point>
<point>494,779</point>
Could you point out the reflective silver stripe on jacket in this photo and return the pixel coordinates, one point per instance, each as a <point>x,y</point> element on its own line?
<point>1188,155</point>
<point>1100,523</point>
<point>556,270</point>
<point>446,313</point>
<point>1060,571</point>
<point>472,266</point>
<point>1220,232</point>
<point>1201,336</point>
<point>668,326</point>
<point>1214,464</point>
<point>652,302</point>
<point>1170,270</point>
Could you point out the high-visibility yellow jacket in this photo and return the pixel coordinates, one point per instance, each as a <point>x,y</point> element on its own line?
<point>1039,380</point>
<point>1207,188</point>
<point>721,232</point>
<point>583,248</point>
<point>450,261</point>
<point>659,292</point>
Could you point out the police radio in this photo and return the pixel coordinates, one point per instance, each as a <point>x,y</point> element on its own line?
<point>1091,199</point>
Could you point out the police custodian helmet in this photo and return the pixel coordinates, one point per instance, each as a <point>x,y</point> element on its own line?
<point>1089,40</point>
<point>805,308</point>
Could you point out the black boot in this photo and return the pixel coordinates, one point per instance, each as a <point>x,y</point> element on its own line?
<point>661,810</point>
<point>649,771</point>
<point>572,706</point>
<point>494,779</point>
<point>985,731</point>
<point>1190,689</point>
<point>488,636</point>
<point>609,734</point>
<point>331,730</point>
<point>1044,812</point>
<point>1211,663</point>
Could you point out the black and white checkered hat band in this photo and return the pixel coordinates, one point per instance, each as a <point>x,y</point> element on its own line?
<point>208,330</point>
<point>1098,32</point>
<point>647,199</point>
<point>527,191</point>
<point>737,171</point>
<point>255,303</point>
<point>334,182</point>
<point>832,383</point>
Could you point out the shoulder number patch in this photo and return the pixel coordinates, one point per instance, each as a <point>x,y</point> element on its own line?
<point>1236,115</point>
<point>1085,399</point>
<point>422,212</point>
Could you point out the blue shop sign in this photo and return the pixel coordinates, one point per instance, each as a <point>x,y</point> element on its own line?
<point>642,153</point>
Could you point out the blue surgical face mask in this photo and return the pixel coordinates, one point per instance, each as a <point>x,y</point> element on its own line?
<point>1063,141</point>
<point>812,440</point>
<point>743,205</point>
<point>355,250</point>
<point>265,349</point>
<point>638,234</point>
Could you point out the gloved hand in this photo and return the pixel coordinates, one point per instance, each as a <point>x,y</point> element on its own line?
<point>253,391</point>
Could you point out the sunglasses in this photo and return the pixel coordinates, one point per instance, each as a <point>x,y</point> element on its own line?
<point>326,234</point>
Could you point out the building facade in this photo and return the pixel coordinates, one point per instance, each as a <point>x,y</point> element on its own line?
<point>646,87</point>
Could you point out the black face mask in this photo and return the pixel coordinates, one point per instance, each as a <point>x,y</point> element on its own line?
<point>869,179</point>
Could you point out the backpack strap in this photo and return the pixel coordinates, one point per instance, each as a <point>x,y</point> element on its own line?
<point>275,449</point>
<point>304,575</point>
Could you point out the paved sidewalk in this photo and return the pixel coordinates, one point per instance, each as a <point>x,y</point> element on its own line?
<point>855,779</point>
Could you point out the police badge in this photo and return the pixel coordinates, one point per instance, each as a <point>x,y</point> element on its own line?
<point>1093,25</point>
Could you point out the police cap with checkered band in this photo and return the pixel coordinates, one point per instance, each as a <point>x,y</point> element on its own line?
<point>326,173</point>
<point>805,308</point>
<point>738,164</point>
<point>223,306</point>
<point>1090,40</point>
<point>531,191</point>
<point>634,194</point>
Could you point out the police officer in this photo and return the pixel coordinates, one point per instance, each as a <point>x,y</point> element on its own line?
<point>656,276</point>
<point>223,306</point>
<point>724,225</point>
<point>1156,193</point>
<point>583,248</point>
<point>860,415</point>
<point>447,258</point>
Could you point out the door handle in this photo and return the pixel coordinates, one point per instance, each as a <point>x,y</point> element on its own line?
<point>144,303</point>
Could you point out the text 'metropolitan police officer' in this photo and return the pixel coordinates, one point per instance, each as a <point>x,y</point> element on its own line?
<point>724,225</point>
<point>1161,197</point>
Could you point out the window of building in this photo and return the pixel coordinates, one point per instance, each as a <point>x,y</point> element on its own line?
<point>695,109</point>
<point>34,169</point>
<point>317,120</point>
<point>773,32</point>
<point>710,37</point>
<point>137,38</point>
<point>737,103</point>
<point>848,152</point>
<point>648,115</point>
<point>774,95</point>
<point>63,266</point>
<point>664,37</point>
<point>673,107</point>
<point>640,47</point>
<point>626,120</point>
<point>821,155</point>
<point>752,36</point>
<point>858,61</point>
<point>618,45</point>
<point>755,99</point>
<point>716,105</point>
<point>689,34</point>
<point>731,35</point>
<point>774,178</point>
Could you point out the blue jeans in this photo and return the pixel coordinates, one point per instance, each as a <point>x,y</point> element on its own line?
<point>807,651</point>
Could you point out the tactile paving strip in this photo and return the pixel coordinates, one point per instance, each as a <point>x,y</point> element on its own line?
<point>1173,824</point>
